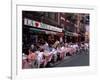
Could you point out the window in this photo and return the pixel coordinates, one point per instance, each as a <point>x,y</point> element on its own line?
<point>52,16</point>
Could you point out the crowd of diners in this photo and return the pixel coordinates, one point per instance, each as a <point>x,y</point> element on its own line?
<point>40,55</point>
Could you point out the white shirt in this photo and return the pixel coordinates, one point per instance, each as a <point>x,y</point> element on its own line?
<point>39,55</point>
<point>54,51</point>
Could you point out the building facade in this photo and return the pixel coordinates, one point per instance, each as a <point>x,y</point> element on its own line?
<point>38,27</point>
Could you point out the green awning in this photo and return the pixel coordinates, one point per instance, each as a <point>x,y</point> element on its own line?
<point>34,30</point>
<point>67,33</point>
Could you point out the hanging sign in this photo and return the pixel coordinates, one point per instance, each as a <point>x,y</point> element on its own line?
<point>37,24</point>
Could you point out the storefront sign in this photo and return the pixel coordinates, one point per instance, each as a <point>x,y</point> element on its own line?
<point>37,24</point>
<point>50,32</point>
<point>75,34</point>
<point>68,33</point>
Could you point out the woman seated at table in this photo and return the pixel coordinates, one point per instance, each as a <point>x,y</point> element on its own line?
<point>43,56</point>
<point>60,50</point>
<point>40,57</point>
<point>31,57</point>
<point>54,52</point>
<point>68,49</point>
<point>48,54</point>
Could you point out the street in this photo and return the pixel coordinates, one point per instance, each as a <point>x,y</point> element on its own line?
<point>76,60</point>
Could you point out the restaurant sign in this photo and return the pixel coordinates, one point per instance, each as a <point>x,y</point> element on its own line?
<point>67,33</point>
<point>37,24</point>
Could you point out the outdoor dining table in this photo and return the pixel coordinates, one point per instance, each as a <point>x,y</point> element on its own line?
<point>47,55</point>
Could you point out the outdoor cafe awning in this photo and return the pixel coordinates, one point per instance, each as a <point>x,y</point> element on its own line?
<point>67,33</point>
